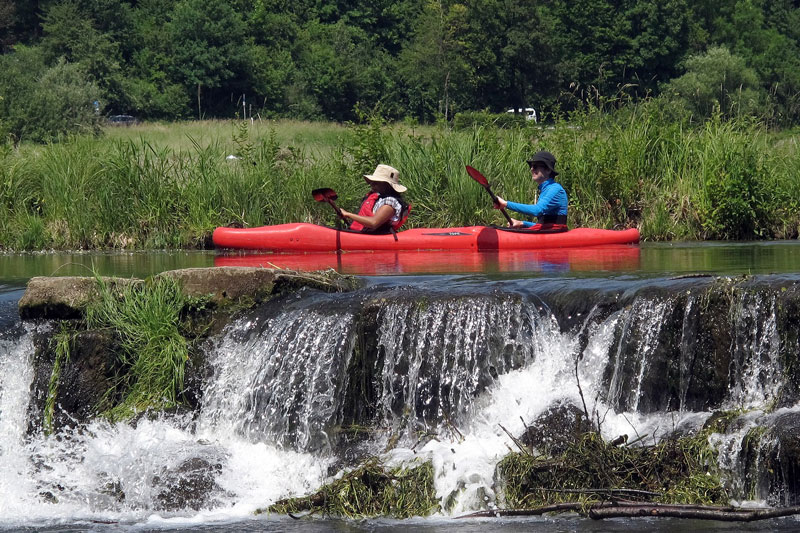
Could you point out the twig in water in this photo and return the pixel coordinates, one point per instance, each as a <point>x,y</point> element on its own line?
<point>516,441</point>
<point>610,492</point>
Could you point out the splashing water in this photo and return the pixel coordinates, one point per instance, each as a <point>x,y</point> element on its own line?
<point>463,370</point>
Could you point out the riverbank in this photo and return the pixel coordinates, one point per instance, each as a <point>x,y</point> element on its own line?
<point>168,186</point>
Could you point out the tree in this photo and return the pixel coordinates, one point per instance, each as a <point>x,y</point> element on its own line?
<point>208,40</point>
<point>716,80</point>
<point>337,68</point>
<point>42,103</point>
<point>69,33</point>
<point>433,66</point>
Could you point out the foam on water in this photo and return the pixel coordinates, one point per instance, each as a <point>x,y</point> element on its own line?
<point>81,475</point>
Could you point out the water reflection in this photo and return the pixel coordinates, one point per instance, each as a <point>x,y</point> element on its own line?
<point>771,257</point>
<point>18,268</point>
<point>645,260</point>
<point>616,258</point>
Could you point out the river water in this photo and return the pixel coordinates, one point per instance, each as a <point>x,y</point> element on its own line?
<point>259,472</point>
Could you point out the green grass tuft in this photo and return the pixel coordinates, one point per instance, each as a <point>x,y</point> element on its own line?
<point>371,490</point>
<point>146,317</point>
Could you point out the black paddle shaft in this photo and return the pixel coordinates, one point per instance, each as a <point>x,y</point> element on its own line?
<point>480,178</point>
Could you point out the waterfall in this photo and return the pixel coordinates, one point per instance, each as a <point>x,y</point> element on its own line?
<point>756,372</point>
<point>438,374</point>
<point>281,379</point>
<point>437,355</point>
<point>16,374</point>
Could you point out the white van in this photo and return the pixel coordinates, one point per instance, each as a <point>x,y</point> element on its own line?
<point>530,113</point>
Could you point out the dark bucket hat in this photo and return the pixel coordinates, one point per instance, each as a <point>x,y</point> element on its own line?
<point>547,158</point>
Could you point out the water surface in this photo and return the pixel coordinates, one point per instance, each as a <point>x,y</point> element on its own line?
<point>646,260</point>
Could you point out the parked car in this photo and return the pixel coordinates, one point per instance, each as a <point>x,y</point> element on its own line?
<point>122,120</point>
<point>529,112</point>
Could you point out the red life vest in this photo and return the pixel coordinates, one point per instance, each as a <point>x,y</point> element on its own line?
<point>366,210</point>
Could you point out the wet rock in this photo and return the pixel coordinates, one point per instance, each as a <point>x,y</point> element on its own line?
<point>191,485</point>
<point>552,431</point>
<point>788,325</point>
<point>771,458</point>
<point>82,382</point>
<point>67,297</point>
<point>62,297</point>
<point>225,284</point>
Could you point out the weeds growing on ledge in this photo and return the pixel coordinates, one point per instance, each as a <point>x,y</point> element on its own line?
<point>370,490</point>
<point>593,470</point>
<point>146,319</point>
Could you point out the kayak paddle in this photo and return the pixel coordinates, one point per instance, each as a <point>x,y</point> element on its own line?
<point>477,176</point>
<point>327,195</point>
<point>330,196</point>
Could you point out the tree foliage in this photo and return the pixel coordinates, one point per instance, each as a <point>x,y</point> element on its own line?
<point>423,59</point>
<point>716,81</point>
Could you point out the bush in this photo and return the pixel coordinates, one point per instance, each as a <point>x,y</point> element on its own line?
<point>44,103</point>
<point>718,80</point>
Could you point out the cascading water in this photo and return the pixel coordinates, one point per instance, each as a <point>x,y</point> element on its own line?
<point>757,369</point>
<point>280,379</point>
<point>440,375</point>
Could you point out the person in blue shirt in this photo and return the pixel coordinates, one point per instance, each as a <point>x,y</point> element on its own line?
<point>551,208</point>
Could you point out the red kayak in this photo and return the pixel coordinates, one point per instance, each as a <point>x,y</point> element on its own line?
<point>302,237</point>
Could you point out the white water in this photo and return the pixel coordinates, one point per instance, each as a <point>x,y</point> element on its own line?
<point>87,470</point>
<point>251,422</point>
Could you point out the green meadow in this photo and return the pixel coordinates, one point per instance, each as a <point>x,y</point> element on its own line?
<point>168,185</point>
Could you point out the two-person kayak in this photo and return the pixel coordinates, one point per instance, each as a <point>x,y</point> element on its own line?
<point>304,237</point>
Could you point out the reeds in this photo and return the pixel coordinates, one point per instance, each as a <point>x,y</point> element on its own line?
<point>169,186</point>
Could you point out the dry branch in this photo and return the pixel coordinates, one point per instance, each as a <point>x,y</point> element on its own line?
<point>599,511</point>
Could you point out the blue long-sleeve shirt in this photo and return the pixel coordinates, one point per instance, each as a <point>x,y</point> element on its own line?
<point>552,201</point>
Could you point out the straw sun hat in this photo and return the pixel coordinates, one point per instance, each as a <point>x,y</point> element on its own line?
<point>388,174</point>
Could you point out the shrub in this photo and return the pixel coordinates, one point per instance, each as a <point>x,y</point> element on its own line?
<point>717,80</point>
<point>43,103</point>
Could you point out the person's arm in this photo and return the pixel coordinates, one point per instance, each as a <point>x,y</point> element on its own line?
<point>381,217</point>
<point>502,204</point>
<point>548,203</point>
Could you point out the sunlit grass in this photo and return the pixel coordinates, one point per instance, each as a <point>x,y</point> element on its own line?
<point>145,318</point>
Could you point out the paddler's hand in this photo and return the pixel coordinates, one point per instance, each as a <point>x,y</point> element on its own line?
<point>517,223</point>
<point>346,214</point>
<point>500,203</point>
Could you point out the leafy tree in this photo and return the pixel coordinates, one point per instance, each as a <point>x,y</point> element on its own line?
<point>716,80</point>
<point>208,39</point>
<point>69,33</point>
<point>659,39</point>
<point>433,66</point>
<point>41,103</point>
<point>593,42</point>
<point>508,45</point>
<point>7,15</point>
<point>152,91</point>
<point>336,69</point>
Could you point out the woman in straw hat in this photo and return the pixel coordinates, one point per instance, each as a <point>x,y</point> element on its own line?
<point>383,209</point>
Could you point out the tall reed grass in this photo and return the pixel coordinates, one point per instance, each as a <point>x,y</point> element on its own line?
<point>150,188</point>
